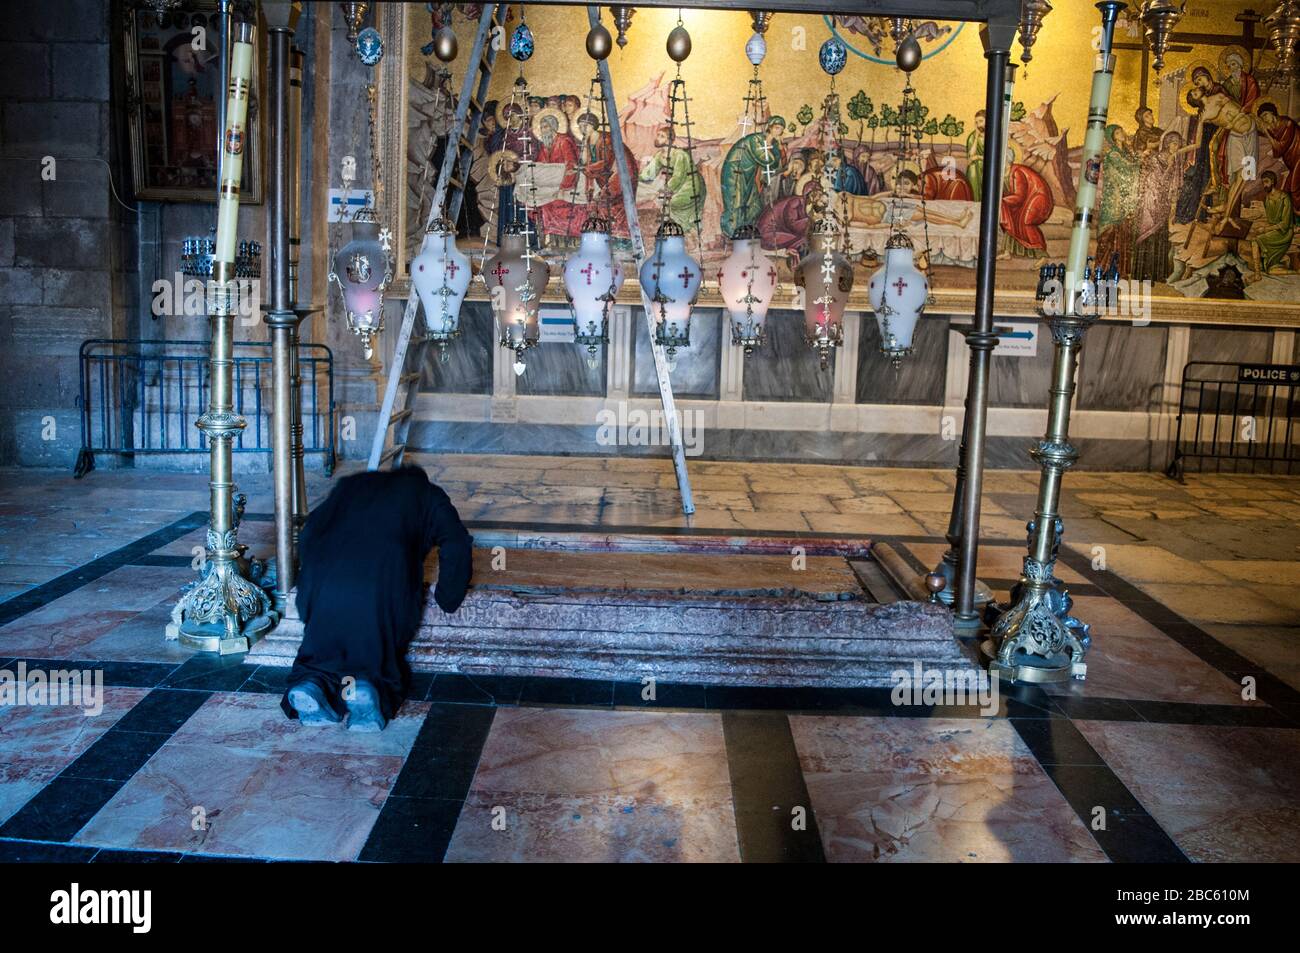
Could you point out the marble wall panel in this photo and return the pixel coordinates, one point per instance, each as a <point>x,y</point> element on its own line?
<point>919,379</point>
<point>785,367</point>
<point>556,369</point>
<point>468,369</point>
<point>1122,368</point>
<point>698,367</point>
<point>1016,381</point>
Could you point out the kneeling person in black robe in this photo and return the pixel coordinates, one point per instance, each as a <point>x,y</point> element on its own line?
<point>361,593</point>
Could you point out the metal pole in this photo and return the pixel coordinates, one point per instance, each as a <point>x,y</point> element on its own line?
<point>638,250</point>
<point>296,61</point>
<point>947,565</point>
<point>280,317</point>
<point>1037,640</point>
<point>224,612</point>
<point>982,340</point>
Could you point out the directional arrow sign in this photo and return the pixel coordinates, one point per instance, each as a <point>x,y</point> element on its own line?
<point>1017,339</point>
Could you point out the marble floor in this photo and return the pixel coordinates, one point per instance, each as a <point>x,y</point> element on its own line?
<point>1183,744</point>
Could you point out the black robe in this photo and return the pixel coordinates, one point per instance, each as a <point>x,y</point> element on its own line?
<point>361,580</point>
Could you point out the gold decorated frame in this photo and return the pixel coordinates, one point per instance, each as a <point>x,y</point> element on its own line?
<point>392,122</point>
<point>252,194</point>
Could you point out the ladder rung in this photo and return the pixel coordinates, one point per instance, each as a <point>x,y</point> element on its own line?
<point>391,452</point>
<point>408,377</point>
<point>400,416</point>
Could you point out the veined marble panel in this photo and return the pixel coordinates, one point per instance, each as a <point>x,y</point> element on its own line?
<point>785,367</point>
<point>1122,368</point>
<point>1021,381</point>
<point>919,379</point>
<point>468,369</point>
<point>697,372</point>
<point>555,369</point>
<point>1225,344</point>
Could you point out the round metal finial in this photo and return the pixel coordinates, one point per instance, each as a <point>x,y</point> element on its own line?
<point>1160,17</point>
<point>445,45</point>
<point>908,56</point>
<point>599,42</point>
<point>1032,14</point>
<point>679,44</point>
<point>935,583</point>
<point>622,21</point>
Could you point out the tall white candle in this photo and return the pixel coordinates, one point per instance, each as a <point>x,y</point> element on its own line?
<point>234,143</point>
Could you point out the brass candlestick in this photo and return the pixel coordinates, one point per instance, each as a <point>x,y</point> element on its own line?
<point>224,612</point>
<point>1035,640</point>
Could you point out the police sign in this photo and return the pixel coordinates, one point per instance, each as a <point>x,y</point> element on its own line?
<point>1268,373</point>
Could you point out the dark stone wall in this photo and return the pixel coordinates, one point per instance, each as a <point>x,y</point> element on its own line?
<point>64,240</point>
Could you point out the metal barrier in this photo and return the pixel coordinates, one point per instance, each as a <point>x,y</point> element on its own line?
<point>143,397</point>
<point>1242,414</point>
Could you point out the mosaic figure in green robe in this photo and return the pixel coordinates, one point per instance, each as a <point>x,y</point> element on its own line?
<point>752,164</point>
<point>975,157</point>
<point>1275,241</point>
<point>681,180</point>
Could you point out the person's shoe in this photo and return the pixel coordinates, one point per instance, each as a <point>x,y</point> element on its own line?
<point>364,713</point>
<point>309,702</point>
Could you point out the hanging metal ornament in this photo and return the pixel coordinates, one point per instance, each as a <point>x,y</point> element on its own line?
<point>1159,17</point>
<point>671,278</point>
<point>521,41</point>
<point>1032,15</point>
<point>756,48</point>
<point>370,46</point>
<point>833,56</point>
<point>354,14</point>
<point>907,50</point>
<point>599,42</point>
<point>622,22</point>
<point>1283,28</point>
<point>445,44</point>
<point>679,43</point>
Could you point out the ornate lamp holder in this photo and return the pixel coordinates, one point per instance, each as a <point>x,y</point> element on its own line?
<point>592,279</point>
<point>362,270</point>
<point>516,279</point>
<point>1036,640</point>
<point>1283,28</point>
<point>671,280</point>
<point>441,276</point>
<point>898,292</point>
<point>827,278</point>
<point>1159,17</point>
<point>747,279</point>
<point>1032,15</point>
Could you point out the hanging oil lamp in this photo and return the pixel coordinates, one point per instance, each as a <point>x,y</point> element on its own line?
<point>441,276</point>
<point>670,279</point>
<point>592,279</point>
<point>898,292</point>
<point>1283,28</point>
<point>747,279</point>
<point>827,278</point>
<point>1032,15</point>
<point>362,269</point>
<point>516,280</point>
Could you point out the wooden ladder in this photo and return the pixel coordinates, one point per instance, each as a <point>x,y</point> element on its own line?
<point>398,408</point>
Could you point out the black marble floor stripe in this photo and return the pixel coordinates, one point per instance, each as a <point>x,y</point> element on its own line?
<point>775,821</point>
<point>72,580</point>
<point>418,818</point>
<point>1233,665</point>
<point>1129,833</point>
<point>116,674</point>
